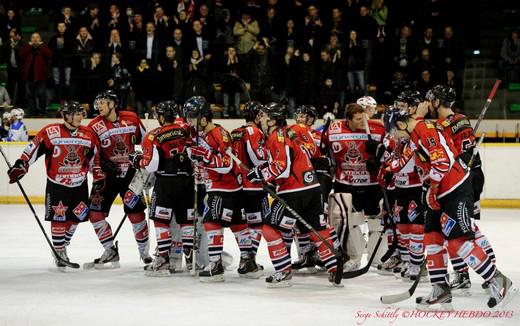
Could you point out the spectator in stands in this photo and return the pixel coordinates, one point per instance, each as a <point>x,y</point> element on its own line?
<point>94,25</point>
<point>379,11</point>
<point>145,86</point>
<point>183,22</point>
<point>427,41</point>
<point>453,81</point>
<point>405,50</point>
<point>36,58</point>
<point>224,31</point>
<point>62,48</point>
<point>425,62</point>
<point>338,24</point>
<point>337,52</point>
<point>313,27</point>
<point>231,82</point>
<point>67,17</point>
<point>161,21</point>
<point>290,75</point>
<point>290,36</point>
<point>119,79</point>
<point>10,21</point>
<point>150,46</point>
<point>425,83</point>
<point>114,45</point>
<point>5,100</point>
<point>206,20</point>
<point>117,22</point>
<point>367,30</point>
<point>355,65</point>
<point>450,51</point>
<point>196,85</point>
<point>188,6</point>
<point>83,48</point>
<point>510,57</point>
<point>271,30</point>
<point>201,41</point>
<point>328,84</point>
<point>174,73</point>
<point>261,81</point>
<point>246,30</point>
<point>307,79</point>
<point>137,31</point>
<point>15,82</point>
<point>91,80</point>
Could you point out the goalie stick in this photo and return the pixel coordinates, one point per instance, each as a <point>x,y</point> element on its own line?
<point>339,257</point>
<point>56,256</point>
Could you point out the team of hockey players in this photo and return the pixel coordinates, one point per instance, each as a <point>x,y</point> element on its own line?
<point>340,177</point>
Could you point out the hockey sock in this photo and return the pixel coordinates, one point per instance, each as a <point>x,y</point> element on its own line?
<point>69,232</point>
<point>404,242</point>
<point>474,256</point>
<point>416,247</point>
<point>437,257</point>
<point>187,236</point>
<point>304,242</point>
<point>164,238</point>
<point>333,236</point>
<point>483,242</point>
<point>215,235</point>
<point>140,228</point>
<point>277,248</point>
<point>102,228</point>
<point>256,237</point>
<point>326,255</point>
<point>243,238</point>
<point>58,235</point>
<point>287,239</point>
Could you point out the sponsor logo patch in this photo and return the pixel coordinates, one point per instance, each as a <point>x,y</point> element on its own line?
<point>81,211</point>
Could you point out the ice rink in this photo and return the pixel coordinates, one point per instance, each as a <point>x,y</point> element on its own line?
<point>33,292</point>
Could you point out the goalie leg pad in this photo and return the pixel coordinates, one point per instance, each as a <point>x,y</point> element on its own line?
<point>374,233</point>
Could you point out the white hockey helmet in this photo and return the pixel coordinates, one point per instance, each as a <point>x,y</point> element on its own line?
<point>329,115</point>
<point>17,113</point>
<point>7,115</point>
<point>367,101</point>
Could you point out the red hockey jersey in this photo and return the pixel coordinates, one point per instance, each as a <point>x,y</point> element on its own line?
<point>435,159</point>
<point>402,165</point>
<point>249,147</point>
<point>289,166</point>
<point>165,150</point>
<point>306,140</point>
<point>118,138</point>
<point>458,128</point>
<point>223,174</point>
<point>348,148</point>
<point>69,155</point>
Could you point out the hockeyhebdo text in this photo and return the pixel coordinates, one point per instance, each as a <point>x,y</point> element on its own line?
<point>394,315</point>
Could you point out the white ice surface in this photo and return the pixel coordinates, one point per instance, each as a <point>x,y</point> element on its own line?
<point>33,292</point>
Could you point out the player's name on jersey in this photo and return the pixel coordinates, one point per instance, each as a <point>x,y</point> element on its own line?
<point>117,131</point>
<point>71,141</point>
<point>338,137</point>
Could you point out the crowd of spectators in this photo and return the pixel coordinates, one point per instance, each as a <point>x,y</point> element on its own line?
<point>325,53</point>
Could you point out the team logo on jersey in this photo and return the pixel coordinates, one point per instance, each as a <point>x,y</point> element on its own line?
<point>81,211</point>
<point>227,215</point>
<point>308,177</point>
<point>287,222</point>
<point>163,212</point>
<point>130,199</point>
<point>59,211</point>
<point>335,127</point>
<point>353,154</point>
<point>120,149</point>
<point>53,132</point>
<point>447,224</point>
<point>99,127</point>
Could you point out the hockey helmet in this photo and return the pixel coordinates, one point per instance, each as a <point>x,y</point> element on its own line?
<point>367,101</point>
<point>108,95</point>
<point>251,110</point>
<point>197,107</point>
<point>309,110</point>
<point>168,109</point>
<point>445,94</point>
<point>392,115</point>
<point>17,113</point>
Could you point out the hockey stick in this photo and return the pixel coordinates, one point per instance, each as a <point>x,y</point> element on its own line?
<point>476,150</point>
<point>61,260</point>
<point>393,246</point>
<point>486,106</point>
<point>394,298</point>
<point>339,257</point>
<point>195,211</point>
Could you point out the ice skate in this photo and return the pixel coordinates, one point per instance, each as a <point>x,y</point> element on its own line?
<point>279,279</point>
<point>461,283</point>
<point>160,267</point>
<point>439,299</point>
<point>501,289</point>
<point>214,272</point>
<point>388,267</point>
<point>249,269</point>
<point>108,260</point>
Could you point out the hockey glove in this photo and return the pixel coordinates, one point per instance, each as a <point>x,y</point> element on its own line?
<point>372,166</point>
<point>200,153</point>
<point>374,148</point>
<point>429,196</point>
<point>109,167</point>
<point>135,159</point>
<point>384,177</point>
<point>255,175</point>
<point>17,171</point>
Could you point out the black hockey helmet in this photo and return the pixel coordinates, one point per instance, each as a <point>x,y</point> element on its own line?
<point>71,107</point>
<point>197,107</point>
<point>410,97</point>
<point>168,109</point>
<point>276,111</point>
<point>108,95</point>
<point>445,94</point>
<point>392,115</point>
<point>251,110</point>
<point>309,110</point>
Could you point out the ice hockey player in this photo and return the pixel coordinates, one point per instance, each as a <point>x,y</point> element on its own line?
<point>456,126</point>
<point>448,193</point>
<point>223,190</point>
<point>408,189</point>
<point>369,104</point>
<point>249,147</point>
<point>296,182</point>
<point>164,153</point>
<point>356,173</point>
<point>70,150</point>
<point>4,127</point>
<point>118,133</point>
<point>17,129</point>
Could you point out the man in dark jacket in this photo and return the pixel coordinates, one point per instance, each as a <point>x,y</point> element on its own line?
<point>36,59</point>
<point>62,47</point>
<point>15,84</point>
